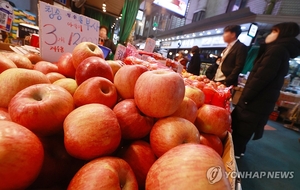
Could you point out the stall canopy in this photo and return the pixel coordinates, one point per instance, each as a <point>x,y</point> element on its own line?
<point>114,8</point>
<point>130,10</point>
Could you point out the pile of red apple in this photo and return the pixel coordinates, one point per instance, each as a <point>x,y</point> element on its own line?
<point>87,123</point>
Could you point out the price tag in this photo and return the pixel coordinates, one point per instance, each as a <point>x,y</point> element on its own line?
<point>120,52</point>
<point>6,16</point>
<point>61,30</point>
<point>150,45</point>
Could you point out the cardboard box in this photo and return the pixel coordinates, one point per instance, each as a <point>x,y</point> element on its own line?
<point>229,160</point>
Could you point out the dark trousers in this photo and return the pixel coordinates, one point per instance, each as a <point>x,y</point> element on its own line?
<point>245,124</point>
<point>240,142</point>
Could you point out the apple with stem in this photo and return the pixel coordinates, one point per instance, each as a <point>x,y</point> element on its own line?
<point>85,50</point>
<point>41,108</point>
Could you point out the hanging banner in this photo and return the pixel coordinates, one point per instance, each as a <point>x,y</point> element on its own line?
<point>61,30</point>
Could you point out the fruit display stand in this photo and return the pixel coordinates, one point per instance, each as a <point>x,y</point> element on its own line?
<point>127,128</point>
<point>230,163</point>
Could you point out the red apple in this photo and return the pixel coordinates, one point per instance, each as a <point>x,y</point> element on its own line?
<point>19,60</point>
<point>212,141</point>
<point>4,115</point>
<point>96,90</point>
<point>93,67</point>
<point>33,57</point>
<point>126,78</point>
<point>195,94</point>
<point>115,65</point>
<point>41,108</point>
<point>188,166</point>
<point>91,131</point>
<point>103,174</point>
<point>85,50</point>
<point>45,67</point>
<point>67,83</point>
<point>6,63</point>
<point>140,157</point>
<point>159,93</point>
<point>54,76</point>
<point>21,156</point>
<point>170,132</point>
<point>134,124</point>
<point>14,80</point>
<point>213,120</point>
<point>187,110</point>
<point>65,65</point>
<point>58,167</point>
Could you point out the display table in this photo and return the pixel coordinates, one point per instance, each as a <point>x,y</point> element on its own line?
<point>230,163</point>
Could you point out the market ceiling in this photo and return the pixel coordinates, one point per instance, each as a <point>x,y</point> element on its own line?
<point>113,7</point>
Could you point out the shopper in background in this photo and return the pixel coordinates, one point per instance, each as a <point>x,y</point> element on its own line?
<point>104,41</point>
<point>263,86</point>
<point>182,59</point>
<point>211,70</point>
<point>233,57</point>
<point>194,64</point>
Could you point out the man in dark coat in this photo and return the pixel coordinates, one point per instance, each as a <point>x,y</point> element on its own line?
<point>195,63</point>
<point>262,88</point>
<point>233,57</point>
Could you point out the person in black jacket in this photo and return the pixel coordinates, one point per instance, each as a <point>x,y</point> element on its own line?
<point>233,57</point>
<point>195,63</point>
<point>104,41</point>
<point>263,86</point>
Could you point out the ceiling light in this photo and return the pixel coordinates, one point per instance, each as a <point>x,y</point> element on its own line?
<point>201,34</point>
<point>208,33</point>
<point>117,18</point>
<point>104,10</point>
<point>104,4</point>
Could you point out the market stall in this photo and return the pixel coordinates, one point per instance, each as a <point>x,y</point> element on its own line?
<point>137,122</point>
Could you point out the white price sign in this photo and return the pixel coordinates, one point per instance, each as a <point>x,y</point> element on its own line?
<point>61,30</point>
<point>120,52</point>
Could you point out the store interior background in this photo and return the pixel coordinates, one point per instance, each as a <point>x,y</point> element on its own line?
<point>174,33</point>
